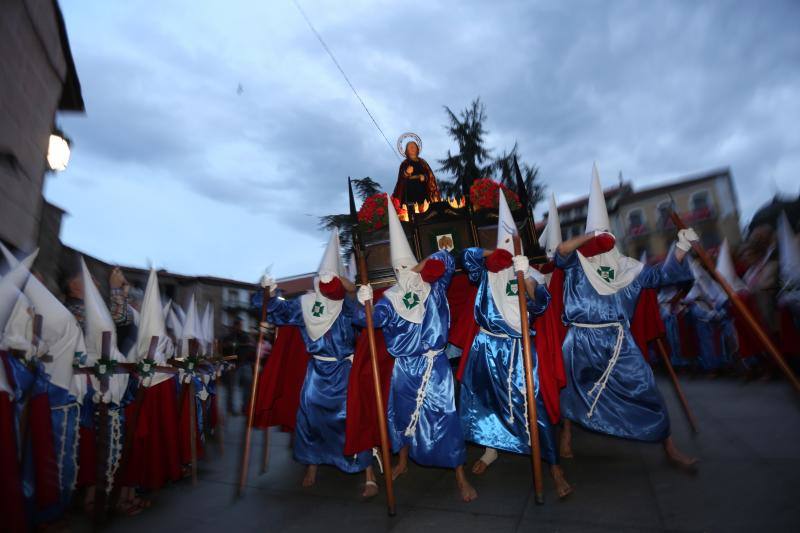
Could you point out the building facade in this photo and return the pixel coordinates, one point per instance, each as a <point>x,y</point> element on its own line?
<point>37,80</point>
<point>640,219</point>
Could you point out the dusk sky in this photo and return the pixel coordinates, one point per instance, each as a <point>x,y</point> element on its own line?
<point>172,165</point>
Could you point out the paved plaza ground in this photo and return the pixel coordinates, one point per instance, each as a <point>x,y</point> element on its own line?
<point>748,480</point>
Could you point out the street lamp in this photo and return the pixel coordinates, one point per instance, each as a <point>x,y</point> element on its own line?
<point>58,151</point>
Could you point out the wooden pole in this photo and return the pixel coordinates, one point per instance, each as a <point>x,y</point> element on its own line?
<point>533,425</point>
<point>376,380</point>
<point>251,408</point>
<point>769,346</point>
<point>193,347</point>
<point>662,350</point>
<point>102,439</point>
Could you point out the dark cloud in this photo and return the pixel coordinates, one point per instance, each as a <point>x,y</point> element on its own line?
<point>653,89</point>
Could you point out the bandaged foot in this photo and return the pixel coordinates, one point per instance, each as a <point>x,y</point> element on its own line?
<point>465,489</point>
<point>563,488</point>
<point>489,456</point>
<point>370,490</point>
<point>311,476</point>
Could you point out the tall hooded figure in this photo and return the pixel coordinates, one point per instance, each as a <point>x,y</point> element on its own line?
<point>494,405</point>
<point>324,317</point>
<point>610,387</point>
<point>154,457</point>
<point>415,318</point>
<point>44,375</point>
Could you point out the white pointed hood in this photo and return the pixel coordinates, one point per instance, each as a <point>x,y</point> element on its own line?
<point>409,294</point>
<point>8,256</point>
<point>611,271</point>
<point>506,227</point>
<point>789,252</point>
<point>151,325</point>
<point>331,265</point>
<point>597,213</point>
<point>191,328</point>
<point>726,269</point>
<point>551,236</point>
<point>165,309</point>
<point>352,268</point>
<point>62,338</point>
<point>207,329</point>
<point>503,284</point>
<point>643,257</point>
<point>402,256</point>
<point>174,323</point>
<point>319,311</point>
<point>12,283</point>
<point>97,320</point>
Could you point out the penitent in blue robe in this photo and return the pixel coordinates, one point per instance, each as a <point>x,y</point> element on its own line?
<point>65,419</point>
<point>488,415</point>
<point>630,404</point>
<point>437,439</point>
<point>320,429</point>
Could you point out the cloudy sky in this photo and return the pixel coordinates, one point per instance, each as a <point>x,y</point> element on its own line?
<point>173,166</point>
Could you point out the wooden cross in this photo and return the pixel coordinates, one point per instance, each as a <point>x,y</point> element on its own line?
<point>189,365</point>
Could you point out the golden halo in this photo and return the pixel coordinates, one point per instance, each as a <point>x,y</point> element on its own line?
<point>408,135</point>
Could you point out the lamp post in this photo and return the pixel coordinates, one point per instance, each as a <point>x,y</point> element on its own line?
<point>58,151</point>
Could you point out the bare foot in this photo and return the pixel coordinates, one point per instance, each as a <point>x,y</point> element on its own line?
<point>677,458</point>
<point>479,467</point>
<point>565,444</point>
<point>399,469</point>
<point>467,491</point>
<point>563,488</point>
<point>370,490</point>
<point>311,476</point>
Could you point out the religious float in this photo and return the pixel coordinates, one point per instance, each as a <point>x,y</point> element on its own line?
<point>437,222</point>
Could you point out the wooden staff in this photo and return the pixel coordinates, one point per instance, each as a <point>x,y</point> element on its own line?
<point>533,425</point>
<point>193,347</point>
<point>662,350</point>
<point>373,353</point>
<point>102,437</point>
<point>739,305</point>
<point>376,380</point>
<point>248,432</point>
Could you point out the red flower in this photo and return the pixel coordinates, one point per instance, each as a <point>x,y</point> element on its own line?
<point>485,194</point>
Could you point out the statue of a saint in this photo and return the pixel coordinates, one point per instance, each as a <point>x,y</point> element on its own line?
<point>415,180</point>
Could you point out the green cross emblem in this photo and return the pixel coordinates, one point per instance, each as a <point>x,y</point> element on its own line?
<point>410,300</point>
<point>318,309</point>
<point>606,273</point>
<point>511,288</point>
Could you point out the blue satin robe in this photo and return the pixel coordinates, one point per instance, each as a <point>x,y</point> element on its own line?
<point>438,439</point>
<point>320,430</point>
<point>672,330</point>
<point>705,322</point>
<point>630,406</point>
<point>484,407</point>
<point>65,419</point>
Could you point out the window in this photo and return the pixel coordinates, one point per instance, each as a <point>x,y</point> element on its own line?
<point>700,201</point>
<point>664,209</point>
<point>636,222</point>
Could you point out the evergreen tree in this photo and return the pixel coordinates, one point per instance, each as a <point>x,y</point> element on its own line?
<point>363,188</point>
<point>470,163</point>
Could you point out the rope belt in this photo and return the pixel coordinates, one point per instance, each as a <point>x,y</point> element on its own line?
<point>422,391</point>
<point>333,359</point>
<point>601,383</point>
<point>510,380</point>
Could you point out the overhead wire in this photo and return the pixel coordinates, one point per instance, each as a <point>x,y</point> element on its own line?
<point>344,75</point>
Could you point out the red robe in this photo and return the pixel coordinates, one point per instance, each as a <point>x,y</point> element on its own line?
<point>646,324</point>
<point>281,381</point>
<point>12,500</point>
<point>154,454</point>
